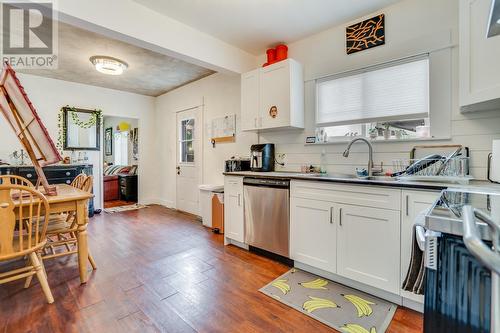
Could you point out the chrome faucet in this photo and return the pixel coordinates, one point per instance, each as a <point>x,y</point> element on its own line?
<point>370,153</point>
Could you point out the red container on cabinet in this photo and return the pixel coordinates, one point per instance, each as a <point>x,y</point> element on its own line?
<point>271,56</point>
<point>281,52</point>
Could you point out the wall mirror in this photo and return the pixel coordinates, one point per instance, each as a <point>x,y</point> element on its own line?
<point>81,129</point>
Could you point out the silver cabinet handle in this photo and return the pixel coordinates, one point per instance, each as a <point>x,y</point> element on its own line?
<point>475,245</point>
<point>407,204</point>
<point>340,216</point>
<point>255,122</point>
<point>68,173</point>
<point>331,215</point>
<point>239,199</point>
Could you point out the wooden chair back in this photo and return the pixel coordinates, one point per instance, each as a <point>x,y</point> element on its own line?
<point>24,214</point>
<point>15,180</point>
<point>78,181</point>
<point>87,184</point>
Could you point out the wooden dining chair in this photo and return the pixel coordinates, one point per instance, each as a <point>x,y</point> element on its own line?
<point>22,234</point>
<point>62,230</point>
<point>15,180</point>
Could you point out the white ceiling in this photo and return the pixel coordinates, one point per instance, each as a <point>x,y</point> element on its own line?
<point>254,25</point>
<point>149,73</point>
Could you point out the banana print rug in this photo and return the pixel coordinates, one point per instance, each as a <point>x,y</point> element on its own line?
<point>343,308</point>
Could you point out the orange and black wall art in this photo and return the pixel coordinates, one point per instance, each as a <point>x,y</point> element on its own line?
<point>366,34</point>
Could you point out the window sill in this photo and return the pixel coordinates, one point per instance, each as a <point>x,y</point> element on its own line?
<point>348,139</point>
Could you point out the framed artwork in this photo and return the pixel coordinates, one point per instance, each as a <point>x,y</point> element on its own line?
<point>364,35</point>
<point>108,141</point>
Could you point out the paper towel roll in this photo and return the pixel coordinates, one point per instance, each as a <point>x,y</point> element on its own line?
<point>495,161</point>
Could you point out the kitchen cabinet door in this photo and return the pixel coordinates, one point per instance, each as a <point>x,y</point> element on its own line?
<point>478,58</point>
<point>233,208</point>
<point>250,100</point>
<point>368,246</point>
<point>414,203</point>
<point>313,233</point>
<point>275,95</point>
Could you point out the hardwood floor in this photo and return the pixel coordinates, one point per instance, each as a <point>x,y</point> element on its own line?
<point>116,203</point>
<point>160,271</point>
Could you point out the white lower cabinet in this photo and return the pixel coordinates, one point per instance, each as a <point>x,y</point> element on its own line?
<point>313,233</point>
<point>234,226</point>
<point>368,246</point>
<point>414,203</point>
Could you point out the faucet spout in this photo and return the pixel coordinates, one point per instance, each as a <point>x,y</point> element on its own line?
<point>370,153</point>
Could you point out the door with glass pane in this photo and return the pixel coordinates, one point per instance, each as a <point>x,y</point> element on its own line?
<point>188,160</point>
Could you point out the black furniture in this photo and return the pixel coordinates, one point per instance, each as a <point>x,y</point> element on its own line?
<point>128,187</point>
<point>56,174</point>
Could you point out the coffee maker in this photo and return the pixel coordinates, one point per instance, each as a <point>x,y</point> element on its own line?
<point>262,157</point>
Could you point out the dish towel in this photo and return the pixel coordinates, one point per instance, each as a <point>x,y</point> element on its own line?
<point>414,281</point>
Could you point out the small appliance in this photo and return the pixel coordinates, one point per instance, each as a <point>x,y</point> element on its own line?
<point>494,162</point>
<point>262,157</point>
<point>237,164</point>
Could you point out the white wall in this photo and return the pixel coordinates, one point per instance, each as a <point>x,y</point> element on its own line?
<point>49,95</point>
<point>220,96</point>
<point>412,27</point>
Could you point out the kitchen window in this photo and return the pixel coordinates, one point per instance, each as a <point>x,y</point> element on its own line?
<point>390,101</point>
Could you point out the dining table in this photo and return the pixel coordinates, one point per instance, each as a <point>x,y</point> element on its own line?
<point>71,199</point>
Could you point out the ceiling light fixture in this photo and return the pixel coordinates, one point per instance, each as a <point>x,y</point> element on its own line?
<point>108,65</point>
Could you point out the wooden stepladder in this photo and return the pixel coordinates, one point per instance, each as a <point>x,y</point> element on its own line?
<point>26,124</point>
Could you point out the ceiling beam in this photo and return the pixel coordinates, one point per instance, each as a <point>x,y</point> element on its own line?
<point>138,25</point>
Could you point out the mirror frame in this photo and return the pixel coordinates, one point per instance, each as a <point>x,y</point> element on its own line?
<point>97,125</point>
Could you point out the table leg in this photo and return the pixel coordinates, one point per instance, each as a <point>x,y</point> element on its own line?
<point>81,235</point>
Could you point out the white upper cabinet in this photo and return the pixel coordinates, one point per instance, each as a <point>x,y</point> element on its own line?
<point>250,99</point>
<point>479,58</point>
<point>273,97</point>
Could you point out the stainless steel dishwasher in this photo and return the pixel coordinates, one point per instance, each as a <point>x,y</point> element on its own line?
<point>267,214</point>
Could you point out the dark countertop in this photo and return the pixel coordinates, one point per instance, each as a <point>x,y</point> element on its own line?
<point>473,185</point>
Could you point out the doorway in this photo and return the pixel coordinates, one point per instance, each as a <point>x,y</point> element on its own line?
<point>121,161</point>
<point>189,159</point>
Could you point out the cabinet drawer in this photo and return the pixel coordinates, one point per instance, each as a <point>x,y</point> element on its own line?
<point>61,173</point>
<point>357,195</point>
<point>54,181</point>
<point>233,184</point>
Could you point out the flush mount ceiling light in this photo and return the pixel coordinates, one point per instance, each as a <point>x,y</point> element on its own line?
<point>108,65</point>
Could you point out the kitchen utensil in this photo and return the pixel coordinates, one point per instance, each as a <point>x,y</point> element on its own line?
<point>420,164</point>
<point>452,155</point>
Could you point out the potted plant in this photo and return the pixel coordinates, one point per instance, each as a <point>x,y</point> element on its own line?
<point>373,132</point>
<point>387,131</point>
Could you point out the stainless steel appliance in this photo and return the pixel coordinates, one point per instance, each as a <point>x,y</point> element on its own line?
<point>267,214</point>
<point>262,157</point>
<point>237,164</point>
<point>462,285</point>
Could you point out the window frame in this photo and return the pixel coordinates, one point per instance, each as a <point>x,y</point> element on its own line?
<point>441,71</point>
<point>181,140</point>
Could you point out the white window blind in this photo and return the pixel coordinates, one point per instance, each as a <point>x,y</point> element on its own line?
<point>399,90</point>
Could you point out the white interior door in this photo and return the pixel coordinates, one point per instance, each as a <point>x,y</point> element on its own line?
<point>189,157</point>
